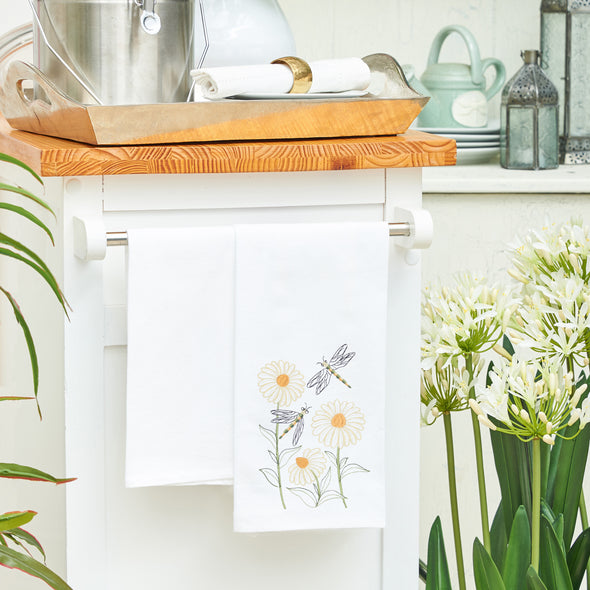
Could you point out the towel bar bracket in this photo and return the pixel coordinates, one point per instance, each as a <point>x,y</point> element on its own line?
<point>412,227</point>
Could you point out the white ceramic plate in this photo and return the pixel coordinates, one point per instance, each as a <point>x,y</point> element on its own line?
<point>493,127</point>
<point>471,145</point>
<point>476,155</point>
<point>467,138</point>
<point>324,95</point>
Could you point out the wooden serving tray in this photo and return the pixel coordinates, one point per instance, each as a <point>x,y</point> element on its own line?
<point>388,111</point>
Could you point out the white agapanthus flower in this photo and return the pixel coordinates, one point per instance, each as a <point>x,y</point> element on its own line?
<point>531,399</point>
<point>469,317</point>
<point>564,246</point>
<point>555,319</point>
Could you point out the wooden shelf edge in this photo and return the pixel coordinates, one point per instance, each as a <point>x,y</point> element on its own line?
<point>50,156</point>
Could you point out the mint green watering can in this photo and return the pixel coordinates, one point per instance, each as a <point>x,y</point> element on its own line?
<point>459,97</point>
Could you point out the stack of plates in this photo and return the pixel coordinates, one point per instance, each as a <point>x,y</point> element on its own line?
<point>475,145</point>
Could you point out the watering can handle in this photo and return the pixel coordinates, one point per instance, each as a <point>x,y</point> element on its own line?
<point>476,63</point>
<point>498,82</point>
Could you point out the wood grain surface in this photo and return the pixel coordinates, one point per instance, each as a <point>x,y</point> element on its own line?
<point>49,156</point>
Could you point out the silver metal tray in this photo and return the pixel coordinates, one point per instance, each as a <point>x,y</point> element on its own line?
<point>388,109</point>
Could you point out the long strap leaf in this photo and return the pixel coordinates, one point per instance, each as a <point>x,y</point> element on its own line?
<point>29,340</point>
<point>15,560</point>
<point>11,188</point>
<point>12,520</point>
<point>533,582</point>
<point>438,577</point>
<point>11,160</point>
<point>577,558</point>
<point>553,568</point>
<point>518,553</point>
<point>20,536</point>
<point>487,576</point>
<point>28,215</point>
<point>42,270</point>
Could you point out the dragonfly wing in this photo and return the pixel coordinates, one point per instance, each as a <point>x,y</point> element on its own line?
<point>340,352</point>
<point>342,361</point>
<point>283,416</point>
<point>297,432</point>
<point>320,381</point>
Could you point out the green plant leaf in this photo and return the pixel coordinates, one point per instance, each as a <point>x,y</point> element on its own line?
<point>577,558</point>
<point>553,568</point>
<point>20,320</point>
<point>11,188</point>
<point>12,520</point>
<point>533,582</point>
<point>518,553</point>
<point>28,215</point>
<point>498,538</point>
<point>14,471</point>
<point>487,576</point>
<point>11,160</point>
<point>18,534</point>
<point>567,474</point>
<point>13,398</point>
<point>438,577</point>
<point>35,262</point>
<point>15,560</point>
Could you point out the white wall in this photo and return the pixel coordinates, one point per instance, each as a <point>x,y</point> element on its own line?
<point>470,230</point>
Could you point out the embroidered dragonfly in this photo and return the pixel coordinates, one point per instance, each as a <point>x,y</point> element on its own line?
<point>339,359</point>
<point>294,419</point>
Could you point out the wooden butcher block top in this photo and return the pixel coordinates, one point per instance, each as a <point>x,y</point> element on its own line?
<point>50,156</point>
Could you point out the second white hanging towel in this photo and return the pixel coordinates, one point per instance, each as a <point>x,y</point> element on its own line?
<point>310,376</point>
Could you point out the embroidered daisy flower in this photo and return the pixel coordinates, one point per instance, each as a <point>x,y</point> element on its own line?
<point>308,466</point>
<point>338,424</point>
<point>280,382</point>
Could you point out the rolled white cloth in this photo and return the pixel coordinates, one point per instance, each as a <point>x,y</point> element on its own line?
<point>329,75</point>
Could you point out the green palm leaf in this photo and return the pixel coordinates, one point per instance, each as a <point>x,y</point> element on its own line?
<point>28,215</point>
<point>11,160</point>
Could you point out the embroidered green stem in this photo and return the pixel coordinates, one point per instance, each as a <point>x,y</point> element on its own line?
<point>536,507</point>
<point>340,476</point>
<point>279,465</point>
<point>453,497</point>
<point>481,481</point>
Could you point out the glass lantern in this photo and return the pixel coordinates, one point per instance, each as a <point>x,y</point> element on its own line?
<point>565,47</point>
<point>529,118</point>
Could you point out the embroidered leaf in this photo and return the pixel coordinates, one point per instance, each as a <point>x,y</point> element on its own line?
<point>332,457</point>
<point>305,495</point>
<point>330,495</point>
<point>271,476</point>
<point>273,456</point>
<point>286,454</point>
<point>326,479</point>
<point>268,434</point>
<point>352,468</point>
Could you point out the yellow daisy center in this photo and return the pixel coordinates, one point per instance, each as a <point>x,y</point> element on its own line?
<point>338,421</point>
<point>302,462</point>
<point>283,380</point>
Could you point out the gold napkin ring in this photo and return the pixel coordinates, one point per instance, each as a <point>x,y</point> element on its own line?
<point>302,76</point>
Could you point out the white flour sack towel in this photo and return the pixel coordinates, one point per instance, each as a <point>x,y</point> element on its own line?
<point>309,387</point>
<point>180,356</point>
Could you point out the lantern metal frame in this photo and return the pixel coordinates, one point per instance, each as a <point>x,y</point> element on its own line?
<point>573,148</point>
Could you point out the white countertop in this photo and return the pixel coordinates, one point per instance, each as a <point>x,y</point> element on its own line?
<point>492,178</point>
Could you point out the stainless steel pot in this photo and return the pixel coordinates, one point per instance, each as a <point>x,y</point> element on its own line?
<point>116,52</point>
